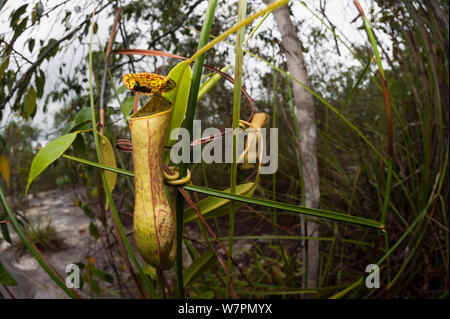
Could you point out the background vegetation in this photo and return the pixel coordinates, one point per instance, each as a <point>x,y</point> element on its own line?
<point>412,39</point>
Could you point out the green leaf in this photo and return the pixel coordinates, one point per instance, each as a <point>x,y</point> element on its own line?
<point>215,206</point>
<point>108,158</point>
<point>83,115</point>
<point>79,146</point>
<point>198,267</point>
<point>48,155</point>
<point>39,9</point>
<point>127,106</point>
<point>93,230</point>
<point>19,28</point>
<point>179,96</point>
<point>40,83</point>
<point>31,43</point>
<point>4,66</point>
<point>288,207</point>
<point>209,84</point>
<point>255,201</point>
<point>103,275</point>
<point>5,278</point>
<point>51,53</point>
<point>82,126</point>
<point>81,121</point>
<point>29,103</point>
<point>2,3</point>
<point>122,89</point>
<point>87,211</point>
<point>16,15</point>
<point>5,230</point>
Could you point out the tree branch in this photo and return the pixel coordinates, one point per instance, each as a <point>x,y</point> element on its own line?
<point>39,60</point>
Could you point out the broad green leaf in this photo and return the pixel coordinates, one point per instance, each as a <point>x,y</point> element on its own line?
<point>215,206</point>
<point>83,115</point>
<point>48,154</point>
<point>82,126</point>
<point>5,278</point>
<point>29,103</point>
<point>109,159</point>
<point>79,146</point>
<point>179,96</point>
<point>209,84</point>
<point>198,267</point>
<point>4,168</point>
<point>16,15</point>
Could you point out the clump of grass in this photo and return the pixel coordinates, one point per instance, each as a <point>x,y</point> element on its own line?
<point>43,235</point>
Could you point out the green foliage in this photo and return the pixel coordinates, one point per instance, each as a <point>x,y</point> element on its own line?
<point>213,207</point>
<point>29,103</point>
<point>199,267</point>
<point>48,154</point>
<point>181,74</point>
<point>352,142</point>
<point>5,278</point>
<point>43,235</point>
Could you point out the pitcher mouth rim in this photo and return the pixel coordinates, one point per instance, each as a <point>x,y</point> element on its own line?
<point>160,113</point>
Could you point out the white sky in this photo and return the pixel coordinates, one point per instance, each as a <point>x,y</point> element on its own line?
<point>340,12</point>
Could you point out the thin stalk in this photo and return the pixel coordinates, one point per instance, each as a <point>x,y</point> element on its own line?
<point>387,199</point>
<point>256,27</point>
<point>274,124</point>
<point>330,255</point>
<point>242,12</point>
<point>388,118</point>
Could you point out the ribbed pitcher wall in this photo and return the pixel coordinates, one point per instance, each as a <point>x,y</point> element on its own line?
<point>154,222</point>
